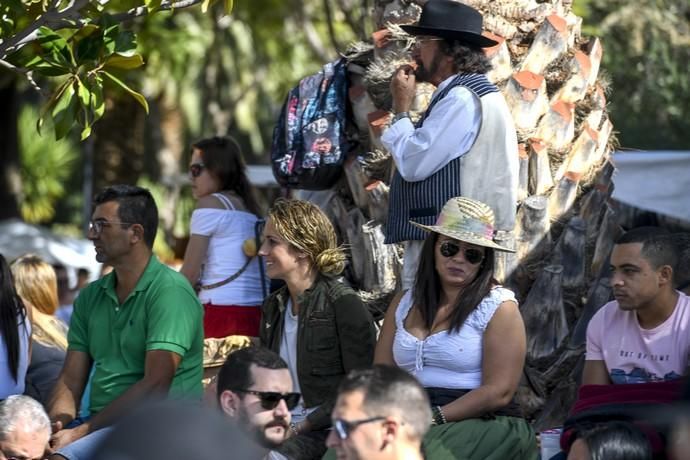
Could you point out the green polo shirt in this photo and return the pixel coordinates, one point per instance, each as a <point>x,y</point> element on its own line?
<point>162,313</point>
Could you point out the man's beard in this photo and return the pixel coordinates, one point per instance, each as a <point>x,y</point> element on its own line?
<point>258,433</point>
<point>423,74</point>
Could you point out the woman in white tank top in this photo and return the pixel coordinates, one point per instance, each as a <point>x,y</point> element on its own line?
<point>230,282</point>
<point>462,336</point>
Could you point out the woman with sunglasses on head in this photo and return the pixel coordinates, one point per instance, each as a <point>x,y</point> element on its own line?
<point>15,336</point>
<point>229,281</point>
<point>462,336</point>
<point>319,326</point>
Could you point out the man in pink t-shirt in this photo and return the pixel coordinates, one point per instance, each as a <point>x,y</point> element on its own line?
<point>643,335</point>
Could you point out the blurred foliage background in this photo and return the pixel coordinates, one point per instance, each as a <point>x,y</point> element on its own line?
<point>208,73</point>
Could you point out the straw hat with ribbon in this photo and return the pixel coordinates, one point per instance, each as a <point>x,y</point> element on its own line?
<point>467,220</point>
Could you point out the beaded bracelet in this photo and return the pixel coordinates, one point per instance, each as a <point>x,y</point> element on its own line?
<point>438,417</point>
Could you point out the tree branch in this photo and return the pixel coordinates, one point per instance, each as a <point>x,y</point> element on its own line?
<point>70,15</point>
<point>25,72</point>
<point>329,23</point>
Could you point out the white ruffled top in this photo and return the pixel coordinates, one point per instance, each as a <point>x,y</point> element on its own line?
<point>445,359</point>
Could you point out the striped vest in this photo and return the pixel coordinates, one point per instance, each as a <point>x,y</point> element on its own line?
<point>422,201</point>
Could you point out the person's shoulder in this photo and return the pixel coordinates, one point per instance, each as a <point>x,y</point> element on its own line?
<point>166,279</point>
<point>209,202</point>
<point>609,313</point>
<point>94,287</point>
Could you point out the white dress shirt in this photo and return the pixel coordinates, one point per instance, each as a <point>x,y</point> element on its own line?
<point>447,133</point>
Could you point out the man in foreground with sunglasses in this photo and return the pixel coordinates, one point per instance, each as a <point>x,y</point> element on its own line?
<point>381,413</point>
<point>255,388</point>
<point>464,144</point>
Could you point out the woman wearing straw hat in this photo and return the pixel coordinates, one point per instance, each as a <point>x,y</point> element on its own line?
<point>462,336</point>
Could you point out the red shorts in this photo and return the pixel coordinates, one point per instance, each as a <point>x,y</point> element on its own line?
<point>225,320</point>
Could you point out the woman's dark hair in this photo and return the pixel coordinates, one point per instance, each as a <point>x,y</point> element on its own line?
<point>466,58</point>
<point>616,441</point>
<point>223,158</point>
<point>12,316</point>
<point>427,286</point>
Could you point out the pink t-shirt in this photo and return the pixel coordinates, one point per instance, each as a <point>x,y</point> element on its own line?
<point>636,355</point>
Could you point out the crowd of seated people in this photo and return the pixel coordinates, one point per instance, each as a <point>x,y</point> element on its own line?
<point>450,353</point>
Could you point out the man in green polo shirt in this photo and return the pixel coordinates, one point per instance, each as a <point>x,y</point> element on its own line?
<point>140,327</point>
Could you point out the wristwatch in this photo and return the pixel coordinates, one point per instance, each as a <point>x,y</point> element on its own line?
<point>400,116</point>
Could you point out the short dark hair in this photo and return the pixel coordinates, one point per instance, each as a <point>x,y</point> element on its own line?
<point>657,248</point>
<point>222,157</point>
<point>236,371</point>
<point>137,206</point>
<point>466,58</point>
<point>427,286</point>
<point>389,390</point>
<point>616,441</point>
<point>681,276</point>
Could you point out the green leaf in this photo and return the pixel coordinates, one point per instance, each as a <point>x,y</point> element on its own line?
<point>48,106</point>
<point>228,6</point>
<point>205,5</point>
<point>55,46</point>
<point>64,112</point>
<point>126,43</point>
<point>47,67</point>
<point>152,5</point>
<point>95,86</point>
<point>88,46</point>
<point>141,99</point>
<point>124,62</point>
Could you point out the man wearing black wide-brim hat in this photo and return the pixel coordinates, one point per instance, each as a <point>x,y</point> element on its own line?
<point>464,144</point>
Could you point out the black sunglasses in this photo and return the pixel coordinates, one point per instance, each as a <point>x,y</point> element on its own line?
<point>343,428</point>
<point>270,399</point>
<point>195,169</point>
<point>472,255</point>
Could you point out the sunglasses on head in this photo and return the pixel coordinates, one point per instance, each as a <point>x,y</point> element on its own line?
<point>343,428</point>
<point>195,169</point>
<point>270,399</point>
<point>472,255</point>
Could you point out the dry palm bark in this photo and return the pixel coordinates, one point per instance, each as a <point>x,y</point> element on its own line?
<point>549,74</point>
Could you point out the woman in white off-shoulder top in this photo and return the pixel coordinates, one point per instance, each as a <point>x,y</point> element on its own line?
<point>229,278</point>
<point>462,336</point>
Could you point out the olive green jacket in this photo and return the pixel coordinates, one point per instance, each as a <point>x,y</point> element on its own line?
<point>335,334</point>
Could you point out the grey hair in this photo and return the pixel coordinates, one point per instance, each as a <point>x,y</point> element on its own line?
<point>22,411</point>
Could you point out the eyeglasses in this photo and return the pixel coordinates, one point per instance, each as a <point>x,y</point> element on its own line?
<point>423,39</point>
<point>195,169</point>
<point>270,399</point>
<point>472,255</point>
<point>96,226</point>
<point>343,428</point>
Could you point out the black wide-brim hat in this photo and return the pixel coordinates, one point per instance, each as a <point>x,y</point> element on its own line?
<point>451,20</point>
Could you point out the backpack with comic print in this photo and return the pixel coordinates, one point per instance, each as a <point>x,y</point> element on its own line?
<point>309,140</point>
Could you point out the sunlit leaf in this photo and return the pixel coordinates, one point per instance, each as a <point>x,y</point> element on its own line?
<point>228,6</point>
<point>126,43</point>
<point>205,5</point>
<point>50,104</point>
<point>55,46</point>
<point>140,98</point>
<point>95,86</point>
<point>65,111</point>
<point>124,62</point>
<point>152,5</point>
